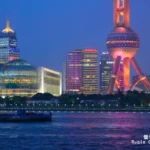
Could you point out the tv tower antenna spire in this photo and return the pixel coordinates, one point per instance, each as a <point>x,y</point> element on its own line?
<point>122,13</point>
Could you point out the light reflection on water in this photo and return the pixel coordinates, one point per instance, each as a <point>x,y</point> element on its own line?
<point>78,130</point>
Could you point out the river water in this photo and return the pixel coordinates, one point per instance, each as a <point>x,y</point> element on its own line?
<point>79,130</point>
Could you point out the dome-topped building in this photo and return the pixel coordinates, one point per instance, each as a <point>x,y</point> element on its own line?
<point>19,77</point>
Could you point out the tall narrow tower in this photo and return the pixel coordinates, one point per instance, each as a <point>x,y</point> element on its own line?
<point>123,44</point>
<point>106,65</point>
<point>8,45</point>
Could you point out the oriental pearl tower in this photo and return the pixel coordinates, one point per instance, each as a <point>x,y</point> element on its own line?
<point>123,43</point>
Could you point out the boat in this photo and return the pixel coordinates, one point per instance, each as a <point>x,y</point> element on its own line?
<point>23,116</point>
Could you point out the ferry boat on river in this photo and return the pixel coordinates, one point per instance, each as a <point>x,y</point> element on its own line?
<point>23,116</point>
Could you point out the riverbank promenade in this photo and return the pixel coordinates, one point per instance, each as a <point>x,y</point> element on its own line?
<point>76,108</point>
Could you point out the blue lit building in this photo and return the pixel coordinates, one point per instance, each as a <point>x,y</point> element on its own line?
<point>8,45</point>
<point>106,65</point>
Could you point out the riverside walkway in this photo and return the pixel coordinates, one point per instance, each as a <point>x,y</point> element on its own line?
<point>75,109</point>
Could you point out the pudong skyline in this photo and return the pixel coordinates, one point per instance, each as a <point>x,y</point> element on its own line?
<point>68,70</point>
<point>90,29</point>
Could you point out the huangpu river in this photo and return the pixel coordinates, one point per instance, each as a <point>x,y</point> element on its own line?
<point>80,130</point>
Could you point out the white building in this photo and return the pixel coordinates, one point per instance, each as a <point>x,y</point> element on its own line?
<point>50,81</point>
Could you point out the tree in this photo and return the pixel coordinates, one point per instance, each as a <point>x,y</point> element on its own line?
<point>42,96</point>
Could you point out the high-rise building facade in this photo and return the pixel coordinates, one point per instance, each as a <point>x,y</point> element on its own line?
<point>8,45</point>
<point>49,81</point>
<point>106,65</point>
<point>74,72</point>
<point>90,71</point>
<point>64,78</point>
<point>82,71</point>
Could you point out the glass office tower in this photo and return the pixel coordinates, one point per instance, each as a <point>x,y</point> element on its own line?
<point>81,73</point>
<point>8,45</point>
<point>106,65</point>
<point>74,72</point>
<point>90,71</point>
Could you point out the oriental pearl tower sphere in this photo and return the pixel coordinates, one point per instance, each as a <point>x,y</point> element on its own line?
<point>123,44</point>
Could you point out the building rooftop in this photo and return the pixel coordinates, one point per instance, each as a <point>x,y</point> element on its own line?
<point>8,29</point>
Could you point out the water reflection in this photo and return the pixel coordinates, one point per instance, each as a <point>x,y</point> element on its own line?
<point>78,130</point>
<point>118,129</point>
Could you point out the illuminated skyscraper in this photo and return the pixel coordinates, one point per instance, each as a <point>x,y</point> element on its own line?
<point>90,71</point>
<point>106,65</point>
<point>8,45</point>
<point>74,72</point>
<point>64,78</point>
<point>82,71</point>
<point>123,43</point>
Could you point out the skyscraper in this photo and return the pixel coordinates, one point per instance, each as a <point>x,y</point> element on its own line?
<point>123,43</point>
<point>90,71</point>
<point>106,65</point>
<point>74,72</point>
<point>64,78</point>
<point>8,45</point>
<point>82,71</point>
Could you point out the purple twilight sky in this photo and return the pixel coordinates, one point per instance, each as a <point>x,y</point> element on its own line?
<point>48,29</point>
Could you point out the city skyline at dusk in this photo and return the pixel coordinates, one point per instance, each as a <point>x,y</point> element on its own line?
<point>47,30</point>
<point>74,74</point>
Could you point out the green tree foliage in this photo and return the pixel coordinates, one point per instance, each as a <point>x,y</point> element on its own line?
<point>130,98</point>
<point>42,96</point>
